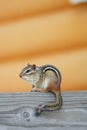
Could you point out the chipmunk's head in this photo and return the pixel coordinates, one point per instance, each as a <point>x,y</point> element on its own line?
<point>30,73</point>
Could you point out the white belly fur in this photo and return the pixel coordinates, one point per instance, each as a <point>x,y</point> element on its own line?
<point>45,83</point>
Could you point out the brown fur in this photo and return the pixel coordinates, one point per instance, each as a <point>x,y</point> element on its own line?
<point>46,80</point>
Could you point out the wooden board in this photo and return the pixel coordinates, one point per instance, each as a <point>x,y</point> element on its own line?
<point>17,111</point>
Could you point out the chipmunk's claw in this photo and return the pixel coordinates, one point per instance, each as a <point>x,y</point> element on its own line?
<point>35,90</point>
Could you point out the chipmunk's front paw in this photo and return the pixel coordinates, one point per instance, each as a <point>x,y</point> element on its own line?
<point>35,90</point>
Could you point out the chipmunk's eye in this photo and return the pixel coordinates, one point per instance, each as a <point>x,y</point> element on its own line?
<point>27,71</point>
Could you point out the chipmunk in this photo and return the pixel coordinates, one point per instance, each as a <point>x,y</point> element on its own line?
<point>47,78</point>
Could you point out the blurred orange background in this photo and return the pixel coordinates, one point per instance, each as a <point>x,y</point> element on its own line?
<point>43,32</point>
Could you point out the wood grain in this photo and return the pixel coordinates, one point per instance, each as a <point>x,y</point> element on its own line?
<point>17,111</point>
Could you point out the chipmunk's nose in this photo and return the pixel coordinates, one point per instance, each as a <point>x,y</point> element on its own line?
<point>20,75</point>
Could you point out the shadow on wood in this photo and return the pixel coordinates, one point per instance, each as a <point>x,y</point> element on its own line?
<point>18,110</point>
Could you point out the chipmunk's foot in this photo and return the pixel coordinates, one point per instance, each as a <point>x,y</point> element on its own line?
<point>35,90</point>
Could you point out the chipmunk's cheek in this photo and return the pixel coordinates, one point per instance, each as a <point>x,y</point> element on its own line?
<point>25,78</point>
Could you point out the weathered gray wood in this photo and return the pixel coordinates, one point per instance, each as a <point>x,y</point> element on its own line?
<point>17,111</point>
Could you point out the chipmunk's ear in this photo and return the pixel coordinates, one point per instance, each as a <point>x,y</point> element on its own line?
<point>28,64</point>
<point>34,66</point>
